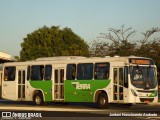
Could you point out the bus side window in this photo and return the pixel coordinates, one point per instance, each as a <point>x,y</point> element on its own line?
<point>85,71</point>
<point>56,76</point>
<point>71,72</point>
<point>126,76</point>
<point>9,73</point>
<point>28,72</point>
<point>37,72</point>
<point>48,72</point>
<point>101,71</point>
<point>121,76</point>
<point>0,77</point>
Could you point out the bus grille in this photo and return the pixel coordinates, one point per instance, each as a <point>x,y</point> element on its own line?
<point>148,91</point>
<point>146,99</point>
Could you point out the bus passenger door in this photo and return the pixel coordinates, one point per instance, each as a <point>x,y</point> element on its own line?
<point>118,78</point>
<point>58,84</point>
<point>0,77</point>
<point>0,83</point>
<point>21,84</point>
<point>9,83</point>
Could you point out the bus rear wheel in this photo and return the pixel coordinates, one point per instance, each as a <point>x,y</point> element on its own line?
<point>38,99</point>
<point>102,101</point>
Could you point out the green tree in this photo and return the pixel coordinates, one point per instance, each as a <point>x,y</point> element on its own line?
<point>150,49</point>
<point>99,48</point>
<point>17,58</point>
<point>53,41</point>
<point>149,46</point>
<point>116,42</point>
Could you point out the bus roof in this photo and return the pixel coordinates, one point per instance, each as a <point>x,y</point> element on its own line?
<point>73,59</point>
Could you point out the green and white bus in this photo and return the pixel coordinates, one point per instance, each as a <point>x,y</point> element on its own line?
<point>123,80</point>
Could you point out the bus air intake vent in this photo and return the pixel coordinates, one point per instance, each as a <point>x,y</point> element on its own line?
<point>146,99</point>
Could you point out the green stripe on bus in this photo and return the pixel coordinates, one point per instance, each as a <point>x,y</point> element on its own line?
<point>153,94</point>
<point>74,90</point>
<point>83,90</point>
<point>45,86</point>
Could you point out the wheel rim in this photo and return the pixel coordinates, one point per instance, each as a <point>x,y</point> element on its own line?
<point>102,101</point>
<point>38,100</point>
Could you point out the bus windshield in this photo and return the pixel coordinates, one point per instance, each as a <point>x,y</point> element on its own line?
<point>143,77</point>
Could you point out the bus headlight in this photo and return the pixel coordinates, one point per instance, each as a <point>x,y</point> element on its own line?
<point>4,93</point>
<point>133,92</point>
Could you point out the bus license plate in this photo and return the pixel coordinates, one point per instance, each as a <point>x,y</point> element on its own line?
<point>146,101</point>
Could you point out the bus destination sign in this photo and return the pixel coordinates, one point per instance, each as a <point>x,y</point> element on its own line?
<point>141,61</point>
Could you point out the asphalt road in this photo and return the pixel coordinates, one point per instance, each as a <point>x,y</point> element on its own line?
<point>80,111</point>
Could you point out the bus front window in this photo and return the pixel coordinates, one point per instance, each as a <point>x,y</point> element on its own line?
<point>143,77</point>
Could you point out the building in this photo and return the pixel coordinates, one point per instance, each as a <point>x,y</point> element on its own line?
<point>4,57</point>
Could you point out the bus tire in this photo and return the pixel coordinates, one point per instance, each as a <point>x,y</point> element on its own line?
<point>38,99</point>
<point>102,101</point>
<point>128,105</point>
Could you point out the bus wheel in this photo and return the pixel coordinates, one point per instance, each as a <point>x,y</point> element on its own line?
<point>102,101</point>
<point>38,99</point>
<point>128,105</point>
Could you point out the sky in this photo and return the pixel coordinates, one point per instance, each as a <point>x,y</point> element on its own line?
<point>87,18</point>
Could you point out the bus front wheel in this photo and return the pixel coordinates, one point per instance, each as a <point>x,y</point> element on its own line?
<point>38,99</point>
<point>102,101</point>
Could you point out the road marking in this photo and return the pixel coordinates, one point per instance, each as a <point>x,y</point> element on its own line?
<point>149,118</point>
<point>47,109</point>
